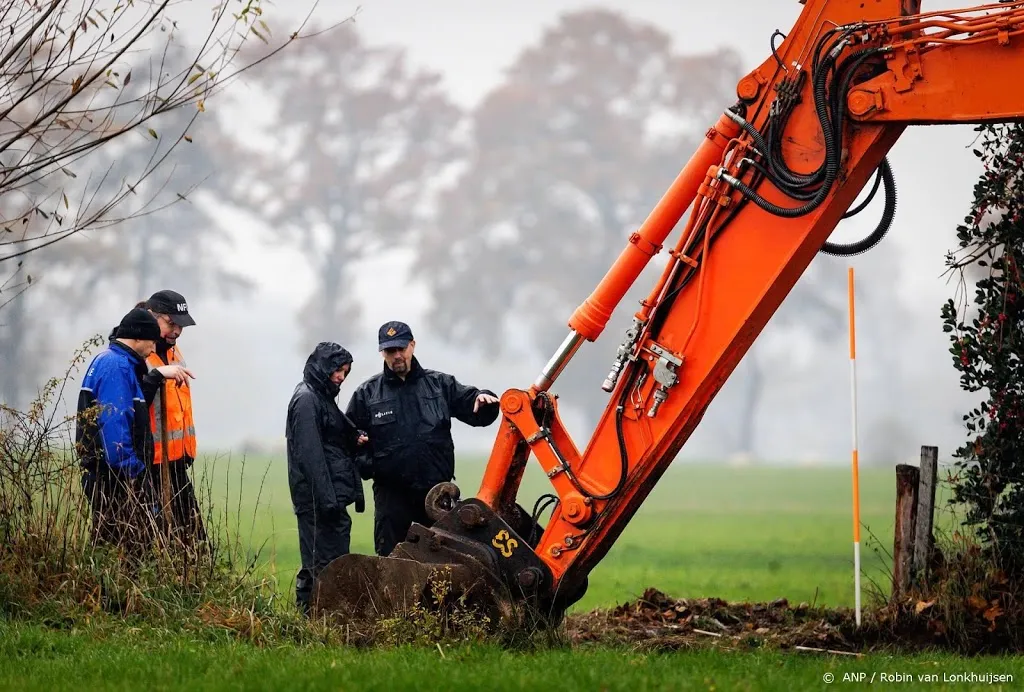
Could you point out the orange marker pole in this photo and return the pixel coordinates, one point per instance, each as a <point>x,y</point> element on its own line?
<point>856,478</point>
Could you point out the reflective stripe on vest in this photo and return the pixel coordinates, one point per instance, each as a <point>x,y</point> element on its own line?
<point>181,431</point>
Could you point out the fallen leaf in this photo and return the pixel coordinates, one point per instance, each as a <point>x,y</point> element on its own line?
<point>992,613</point>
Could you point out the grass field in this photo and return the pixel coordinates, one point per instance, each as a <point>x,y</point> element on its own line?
<point>756,533</point>
<point>31,659</point>
<point>734,532</point>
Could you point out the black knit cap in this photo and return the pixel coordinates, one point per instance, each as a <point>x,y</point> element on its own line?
<point>139,324</point>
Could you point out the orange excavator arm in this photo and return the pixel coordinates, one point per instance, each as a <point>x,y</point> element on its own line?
<point>765,189</point>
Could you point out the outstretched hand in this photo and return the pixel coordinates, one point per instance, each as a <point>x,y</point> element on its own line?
<point>483,400</point>
<point>179,374</point>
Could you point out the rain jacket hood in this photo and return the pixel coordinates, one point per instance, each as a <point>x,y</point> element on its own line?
<point>322,442</point>
<point>326,358</point>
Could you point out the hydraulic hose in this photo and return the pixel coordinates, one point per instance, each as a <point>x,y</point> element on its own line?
<point>888,213</point>
<point>871,195</point>
<point>821,106</point>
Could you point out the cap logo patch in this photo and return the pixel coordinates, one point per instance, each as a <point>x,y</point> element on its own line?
<point>391,331</point>
<point>182,307</point>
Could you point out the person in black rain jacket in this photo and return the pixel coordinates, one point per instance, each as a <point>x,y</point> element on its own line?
<point>322,473</point>
<point>407,411</point>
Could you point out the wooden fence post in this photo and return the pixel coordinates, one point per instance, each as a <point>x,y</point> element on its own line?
<point>924,540</point>
<point>903,540</point>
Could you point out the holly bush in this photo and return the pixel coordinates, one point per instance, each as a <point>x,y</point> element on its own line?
<point>988,348</point>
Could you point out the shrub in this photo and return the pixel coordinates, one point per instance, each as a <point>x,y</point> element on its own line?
<point>988,348</point>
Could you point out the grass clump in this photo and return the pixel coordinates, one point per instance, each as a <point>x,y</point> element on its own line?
<point>965,602</point>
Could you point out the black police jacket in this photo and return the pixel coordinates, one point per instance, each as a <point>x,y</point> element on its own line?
<point>409,425</point>
<point>321,441</point>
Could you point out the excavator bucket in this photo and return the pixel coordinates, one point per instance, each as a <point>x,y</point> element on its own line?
<point>469,556</point>
<point>368,587</point>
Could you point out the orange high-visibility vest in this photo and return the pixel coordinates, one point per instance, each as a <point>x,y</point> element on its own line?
<point>181,431</point>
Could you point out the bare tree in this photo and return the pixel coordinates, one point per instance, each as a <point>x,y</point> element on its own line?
<point>67,67</point>
<point>358,140</point>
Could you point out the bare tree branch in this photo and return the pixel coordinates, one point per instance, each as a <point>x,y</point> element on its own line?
<point>65,71</point>
<point>76,76</point>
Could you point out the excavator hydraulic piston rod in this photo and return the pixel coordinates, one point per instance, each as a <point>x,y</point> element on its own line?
<point>557,364</point>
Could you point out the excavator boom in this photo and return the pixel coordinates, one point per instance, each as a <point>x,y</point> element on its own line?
<point>766,188</point>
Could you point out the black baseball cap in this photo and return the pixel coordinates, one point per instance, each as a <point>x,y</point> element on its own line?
<point>393,335</point>
<point>173,305</point>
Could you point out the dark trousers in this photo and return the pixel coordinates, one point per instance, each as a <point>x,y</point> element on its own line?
<point>321,540</point>
<point>121,509</point>
<point>394,511</point>
<point>186,519</point>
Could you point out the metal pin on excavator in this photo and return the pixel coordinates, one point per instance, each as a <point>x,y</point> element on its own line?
<point>765,189</point>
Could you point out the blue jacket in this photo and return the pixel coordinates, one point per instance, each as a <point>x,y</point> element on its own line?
<point>115,434</point>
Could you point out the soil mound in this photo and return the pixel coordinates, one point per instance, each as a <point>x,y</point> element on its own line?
<point>658,621</point>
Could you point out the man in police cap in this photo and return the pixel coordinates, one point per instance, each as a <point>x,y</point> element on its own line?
<point>174,433</point>
<point>407,410</point>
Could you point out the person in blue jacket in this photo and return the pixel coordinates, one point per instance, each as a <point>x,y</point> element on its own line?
<point>113,437</point>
